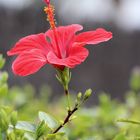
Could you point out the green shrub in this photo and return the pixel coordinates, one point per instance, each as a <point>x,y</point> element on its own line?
<point>109,120</point>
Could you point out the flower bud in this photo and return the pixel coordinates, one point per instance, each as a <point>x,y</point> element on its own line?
<point>87,94</point>
<point>79,96</point>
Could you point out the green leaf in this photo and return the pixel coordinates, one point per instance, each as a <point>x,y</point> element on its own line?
<point>3,77</point>
<point>129,121</point>
<point>2,62</point>
<point>57,136</point>
<point>26,126</point>
<point>120,137</point>
<point>3,90</point>
<point>28,137</point>
<point>49,120</point>
<point>41,130</point>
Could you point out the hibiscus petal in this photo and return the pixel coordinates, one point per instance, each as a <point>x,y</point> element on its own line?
<point>30,42</point>
<point>64,35</point>
<point>29,62</point>
<point>93,37</point>
<point>77,54</point>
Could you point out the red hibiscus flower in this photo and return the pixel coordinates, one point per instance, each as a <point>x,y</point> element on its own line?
<point>61,47</point>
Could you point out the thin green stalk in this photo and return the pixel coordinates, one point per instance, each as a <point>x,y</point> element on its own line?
<point>68,99</point>
<point>129,121</point>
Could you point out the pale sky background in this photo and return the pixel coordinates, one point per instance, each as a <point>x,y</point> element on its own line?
<point>126,17</point>
<point>16,4</point>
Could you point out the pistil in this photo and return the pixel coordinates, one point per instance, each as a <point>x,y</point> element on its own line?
<point>49,10</point>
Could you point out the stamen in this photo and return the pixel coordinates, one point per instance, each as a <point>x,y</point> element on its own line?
<point>49,10</point>
<point>50,15</point>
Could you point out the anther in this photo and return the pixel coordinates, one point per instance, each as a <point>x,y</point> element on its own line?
<point>50,15</point>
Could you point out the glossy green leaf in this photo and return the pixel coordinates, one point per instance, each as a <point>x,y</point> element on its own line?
<point>49,120</point>
<point>26,126</point>
<point>41,130</point>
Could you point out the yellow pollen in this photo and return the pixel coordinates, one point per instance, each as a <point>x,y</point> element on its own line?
<point>50,15</point>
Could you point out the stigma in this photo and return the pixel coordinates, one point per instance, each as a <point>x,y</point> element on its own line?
<point>47,2</point>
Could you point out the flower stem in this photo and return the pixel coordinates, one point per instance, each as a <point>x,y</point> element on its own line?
<point>68,99</point>
<point>128,121</point>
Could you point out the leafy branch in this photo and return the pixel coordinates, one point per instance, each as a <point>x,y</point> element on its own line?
<point>67,119</point>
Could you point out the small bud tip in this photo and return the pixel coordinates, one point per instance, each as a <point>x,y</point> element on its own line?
<point>87,94</point>
<point>79,96</point>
